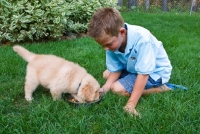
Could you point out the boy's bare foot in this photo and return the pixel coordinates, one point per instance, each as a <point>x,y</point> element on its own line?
<point>160,89</point>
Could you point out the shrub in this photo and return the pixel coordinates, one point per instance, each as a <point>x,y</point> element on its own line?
<point>34,20</point>
<point>82,10</point>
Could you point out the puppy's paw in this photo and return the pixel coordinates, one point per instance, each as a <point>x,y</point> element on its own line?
<point>56,96</point>
<point>29,99</point>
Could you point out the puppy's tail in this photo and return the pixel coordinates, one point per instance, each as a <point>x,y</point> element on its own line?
<point>24,53</point>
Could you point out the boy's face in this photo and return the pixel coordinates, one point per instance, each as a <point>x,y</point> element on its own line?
<point>113,43</point>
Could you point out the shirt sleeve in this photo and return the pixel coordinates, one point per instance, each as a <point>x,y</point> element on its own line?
<point>113,64</point>
<point>146,58</point>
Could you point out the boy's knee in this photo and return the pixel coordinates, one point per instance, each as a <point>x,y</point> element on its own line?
<point>117,87</point>
<point>113,87</point>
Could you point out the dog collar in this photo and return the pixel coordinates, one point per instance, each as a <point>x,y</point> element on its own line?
<point>78,86</point>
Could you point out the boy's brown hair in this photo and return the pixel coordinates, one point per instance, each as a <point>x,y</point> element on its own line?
<point>105,21</point>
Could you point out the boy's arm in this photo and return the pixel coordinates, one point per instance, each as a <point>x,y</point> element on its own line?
<point>110,80</point>
<point>138,89</point>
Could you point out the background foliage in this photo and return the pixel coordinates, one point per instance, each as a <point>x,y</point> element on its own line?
<point>160,5</point>
<point>39,19</point>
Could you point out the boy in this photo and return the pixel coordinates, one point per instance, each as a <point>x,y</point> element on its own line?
<point>136,61</point>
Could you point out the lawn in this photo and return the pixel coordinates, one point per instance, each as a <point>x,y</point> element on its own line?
<point>167,113</point>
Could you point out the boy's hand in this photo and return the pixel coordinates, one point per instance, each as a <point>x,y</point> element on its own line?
<point>101,90</point>
<point>130,108</point>
<point>104,89</point>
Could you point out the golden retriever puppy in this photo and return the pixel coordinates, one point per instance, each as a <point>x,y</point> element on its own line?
<point>58,75</point>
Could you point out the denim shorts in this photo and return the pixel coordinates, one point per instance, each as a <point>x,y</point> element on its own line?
<point>128,80</point>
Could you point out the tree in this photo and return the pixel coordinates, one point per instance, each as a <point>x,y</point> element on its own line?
<point>195,5</point>
<point>120,3</point>
<point>131,3</point>
<point>147,3</point>
<point>164,5</point>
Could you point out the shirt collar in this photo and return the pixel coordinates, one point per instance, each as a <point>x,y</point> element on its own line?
<point>128,45</point>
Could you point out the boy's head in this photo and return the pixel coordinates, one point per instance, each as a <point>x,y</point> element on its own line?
<point>105,21</point>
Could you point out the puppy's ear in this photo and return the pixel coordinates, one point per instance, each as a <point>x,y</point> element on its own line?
<point>88,92</point>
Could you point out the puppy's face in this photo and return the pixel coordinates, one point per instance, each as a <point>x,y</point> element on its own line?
<point>89,90</point>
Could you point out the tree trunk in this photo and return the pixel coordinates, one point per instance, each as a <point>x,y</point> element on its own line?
<point>147,5</point>
<point>164,5</point>
<point>120,3</point>
<point>131,3</point>
<point>195,5</point>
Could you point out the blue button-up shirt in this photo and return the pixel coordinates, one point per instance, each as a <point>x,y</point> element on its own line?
<point>144,54</point>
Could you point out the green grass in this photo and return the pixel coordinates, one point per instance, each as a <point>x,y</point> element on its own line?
<point>167,113</point>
